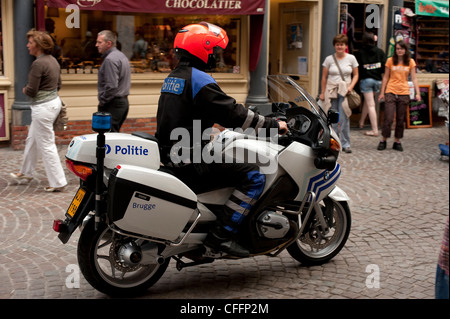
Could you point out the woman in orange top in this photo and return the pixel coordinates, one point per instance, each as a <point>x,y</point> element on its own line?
<point>395,93</point>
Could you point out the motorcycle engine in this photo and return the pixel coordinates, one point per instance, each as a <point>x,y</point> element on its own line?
<point>272,225</point>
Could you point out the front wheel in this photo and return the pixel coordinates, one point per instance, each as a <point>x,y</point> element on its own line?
<point>314,247</point>
<point>100,256</point>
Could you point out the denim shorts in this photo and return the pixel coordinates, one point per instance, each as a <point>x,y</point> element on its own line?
<point>369,85</point>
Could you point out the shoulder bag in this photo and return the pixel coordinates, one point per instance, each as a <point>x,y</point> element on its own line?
<point>353,98</point>
<point>60,123</point>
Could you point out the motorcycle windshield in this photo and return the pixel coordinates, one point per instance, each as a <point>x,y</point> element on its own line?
<point>284,89</point>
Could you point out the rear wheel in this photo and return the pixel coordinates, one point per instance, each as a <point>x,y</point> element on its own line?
<point>314,247</point>
<point>111,262</point>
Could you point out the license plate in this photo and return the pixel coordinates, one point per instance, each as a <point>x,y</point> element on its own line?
<point>76,201</point>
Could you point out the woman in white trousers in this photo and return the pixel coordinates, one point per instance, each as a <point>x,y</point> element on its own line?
<point>43,84</point>
<point>40,142</point>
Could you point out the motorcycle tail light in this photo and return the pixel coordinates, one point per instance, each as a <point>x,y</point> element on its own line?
<point>57,223</point>
<point>80,170</point>
<point>334,145</point>
<point>59,226</point>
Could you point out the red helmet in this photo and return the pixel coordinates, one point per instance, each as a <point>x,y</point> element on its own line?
<point>200,39</point>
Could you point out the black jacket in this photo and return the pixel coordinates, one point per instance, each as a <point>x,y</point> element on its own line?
<point>189,94</point>
<point>371,61</point>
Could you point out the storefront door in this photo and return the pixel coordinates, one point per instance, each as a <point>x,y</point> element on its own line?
<point>295,42</point>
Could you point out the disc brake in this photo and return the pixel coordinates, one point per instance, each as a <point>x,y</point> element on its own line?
<point>115,259</point>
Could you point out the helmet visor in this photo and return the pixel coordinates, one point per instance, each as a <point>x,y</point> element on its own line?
<point>219,38</point>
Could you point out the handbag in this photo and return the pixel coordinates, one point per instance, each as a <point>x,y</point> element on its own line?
<point>60,123</point>
<point>353,98</point>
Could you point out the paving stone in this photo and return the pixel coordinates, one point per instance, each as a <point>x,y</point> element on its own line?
<point>399,203</point>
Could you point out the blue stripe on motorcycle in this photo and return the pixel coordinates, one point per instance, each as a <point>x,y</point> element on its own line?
<point>314,179</point>
<point>331,182</point>
<point>322,183</point>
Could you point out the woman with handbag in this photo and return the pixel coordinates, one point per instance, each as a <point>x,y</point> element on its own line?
<point>43,84</point>
<point>395,93</point>
<point>339,77</point>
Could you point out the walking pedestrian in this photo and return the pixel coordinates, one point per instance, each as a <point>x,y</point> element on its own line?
<point>395,93</point>
<point>371,61</point>
<point>44,82</point>
<point>335,89</point>
<point>114,79</point>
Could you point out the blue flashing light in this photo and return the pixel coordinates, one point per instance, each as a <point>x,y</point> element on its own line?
<point>101,122</point>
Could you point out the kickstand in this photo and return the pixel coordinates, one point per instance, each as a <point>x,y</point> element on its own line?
<point>181,264</point>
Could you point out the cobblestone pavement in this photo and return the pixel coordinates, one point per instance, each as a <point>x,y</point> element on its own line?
<point>399,204</point>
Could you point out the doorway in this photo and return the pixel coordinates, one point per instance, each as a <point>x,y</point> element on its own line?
<point>295,42</point>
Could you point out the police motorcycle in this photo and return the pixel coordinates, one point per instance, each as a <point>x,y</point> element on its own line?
<point>135,216</point>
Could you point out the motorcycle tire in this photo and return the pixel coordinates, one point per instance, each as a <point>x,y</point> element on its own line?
<point>105,273</point>
<point>312,249</point>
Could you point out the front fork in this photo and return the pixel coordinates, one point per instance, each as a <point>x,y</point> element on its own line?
<point>313,205</point>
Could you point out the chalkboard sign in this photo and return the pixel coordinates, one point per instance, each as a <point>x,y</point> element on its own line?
<point>419,112</point>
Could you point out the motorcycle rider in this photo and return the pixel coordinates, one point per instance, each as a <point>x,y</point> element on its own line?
<point>190,95</point>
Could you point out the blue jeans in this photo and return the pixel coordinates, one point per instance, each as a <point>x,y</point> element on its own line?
<point>441,286</point>
<point>369,85</point>
<point>343,127</point>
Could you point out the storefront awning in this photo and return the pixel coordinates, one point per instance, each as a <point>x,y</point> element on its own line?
<point>432,8</point>
<point>228,7</point>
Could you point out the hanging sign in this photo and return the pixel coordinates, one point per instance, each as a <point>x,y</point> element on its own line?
<point>238,7</point>
<point>432,8</point>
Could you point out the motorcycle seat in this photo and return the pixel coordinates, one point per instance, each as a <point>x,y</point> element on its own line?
<point>146,136</point>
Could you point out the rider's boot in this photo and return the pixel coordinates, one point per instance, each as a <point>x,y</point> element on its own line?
<point>221,239</point>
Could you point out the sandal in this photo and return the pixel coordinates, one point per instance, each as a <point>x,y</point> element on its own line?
<point>50,189</point>
<point>20,177</point>
<point>371,133</point>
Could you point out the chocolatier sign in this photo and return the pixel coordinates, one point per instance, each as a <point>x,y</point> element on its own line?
<point>235,7</point>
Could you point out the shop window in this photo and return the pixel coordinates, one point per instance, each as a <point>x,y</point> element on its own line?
<point>146,39</point>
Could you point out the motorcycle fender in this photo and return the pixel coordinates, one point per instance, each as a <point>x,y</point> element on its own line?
<point>338,195</point>
<point>70,224</point>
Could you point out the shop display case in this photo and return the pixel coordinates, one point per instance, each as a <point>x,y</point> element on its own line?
<point>154,32</point>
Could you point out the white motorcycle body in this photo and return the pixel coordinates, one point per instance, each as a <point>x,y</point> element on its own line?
<point>157,205</point>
